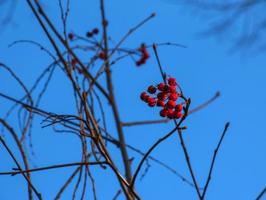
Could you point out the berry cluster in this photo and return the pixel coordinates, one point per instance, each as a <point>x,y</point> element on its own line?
<point>144,55</point>
<point>165,96</point>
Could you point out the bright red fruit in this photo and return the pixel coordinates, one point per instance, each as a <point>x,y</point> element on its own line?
<point>170,114</point>
<point>179,107</point>
<point>172,81</point>
<point>162,86</point>
<point>171,104</point>
<point>163,112</point>
<point>151,102</point>
<point>173,96</point>
<point>177,115</point>
<point>172,89</point>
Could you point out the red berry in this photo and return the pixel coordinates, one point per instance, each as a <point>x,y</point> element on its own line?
<point>163,112</point>
<point>177,115</point>
<point>162,86</point>
<point>170,114</point>
<point>160,103</point>
<point>172,81</point>
<point>151,89</point>
<point>70,36</point>
<point>172,89</point>
<point>162,96</point>
<point>173,96</point>
<point>151,102</point>
<point>179,107</point>
<point>171,104</point>
<point>102,55</point>
<point>144,96</point>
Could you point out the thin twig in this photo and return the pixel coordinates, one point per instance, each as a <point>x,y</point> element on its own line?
<point>261,194</point>
<point>213,160</point>
<point>39,196</point>
<point>53,167</point>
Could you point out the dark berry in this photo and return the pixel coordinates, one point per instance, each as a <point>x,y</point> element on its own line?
<point>151,89</point>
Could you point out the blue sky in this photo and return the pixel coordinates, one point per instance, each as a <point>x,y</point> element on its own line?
<point>204,67</point>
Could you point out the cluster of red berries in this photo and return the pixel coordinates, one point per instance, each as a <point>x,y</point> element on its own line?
<point>165,96</point>
<point>94,31</point>
<point>144,55</point>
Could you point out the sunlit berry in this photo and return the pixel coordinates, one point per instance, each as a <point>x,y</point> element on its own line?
<point>172,81</point>
<point>172,89</point>
<point>171,104</point>
<point>162,86</point>
<point>177,115</point>
<point>173,96</point>
<point>152,102</point>
<point>170,114</point>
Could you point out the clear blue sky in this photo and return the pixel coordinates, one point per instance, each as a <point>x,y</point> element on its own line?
<point>202,68</point>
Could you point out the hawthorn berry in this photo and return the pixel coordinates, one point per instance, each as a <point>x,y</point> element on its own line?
<point>172,81</point>
<point>102,55</point>
<point>162,87</point>
<point>160,103</point>
<point>170,114</point>
<point>179,107</point>
<point>151,89</point>
<point>172,89</point>
<point>173,96</point>
<point>144,96</point>
<point>152,102</point>
<point>163,112</point>
<point>162,96</point>
<point>177,115</point>
<point>171,104</point>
